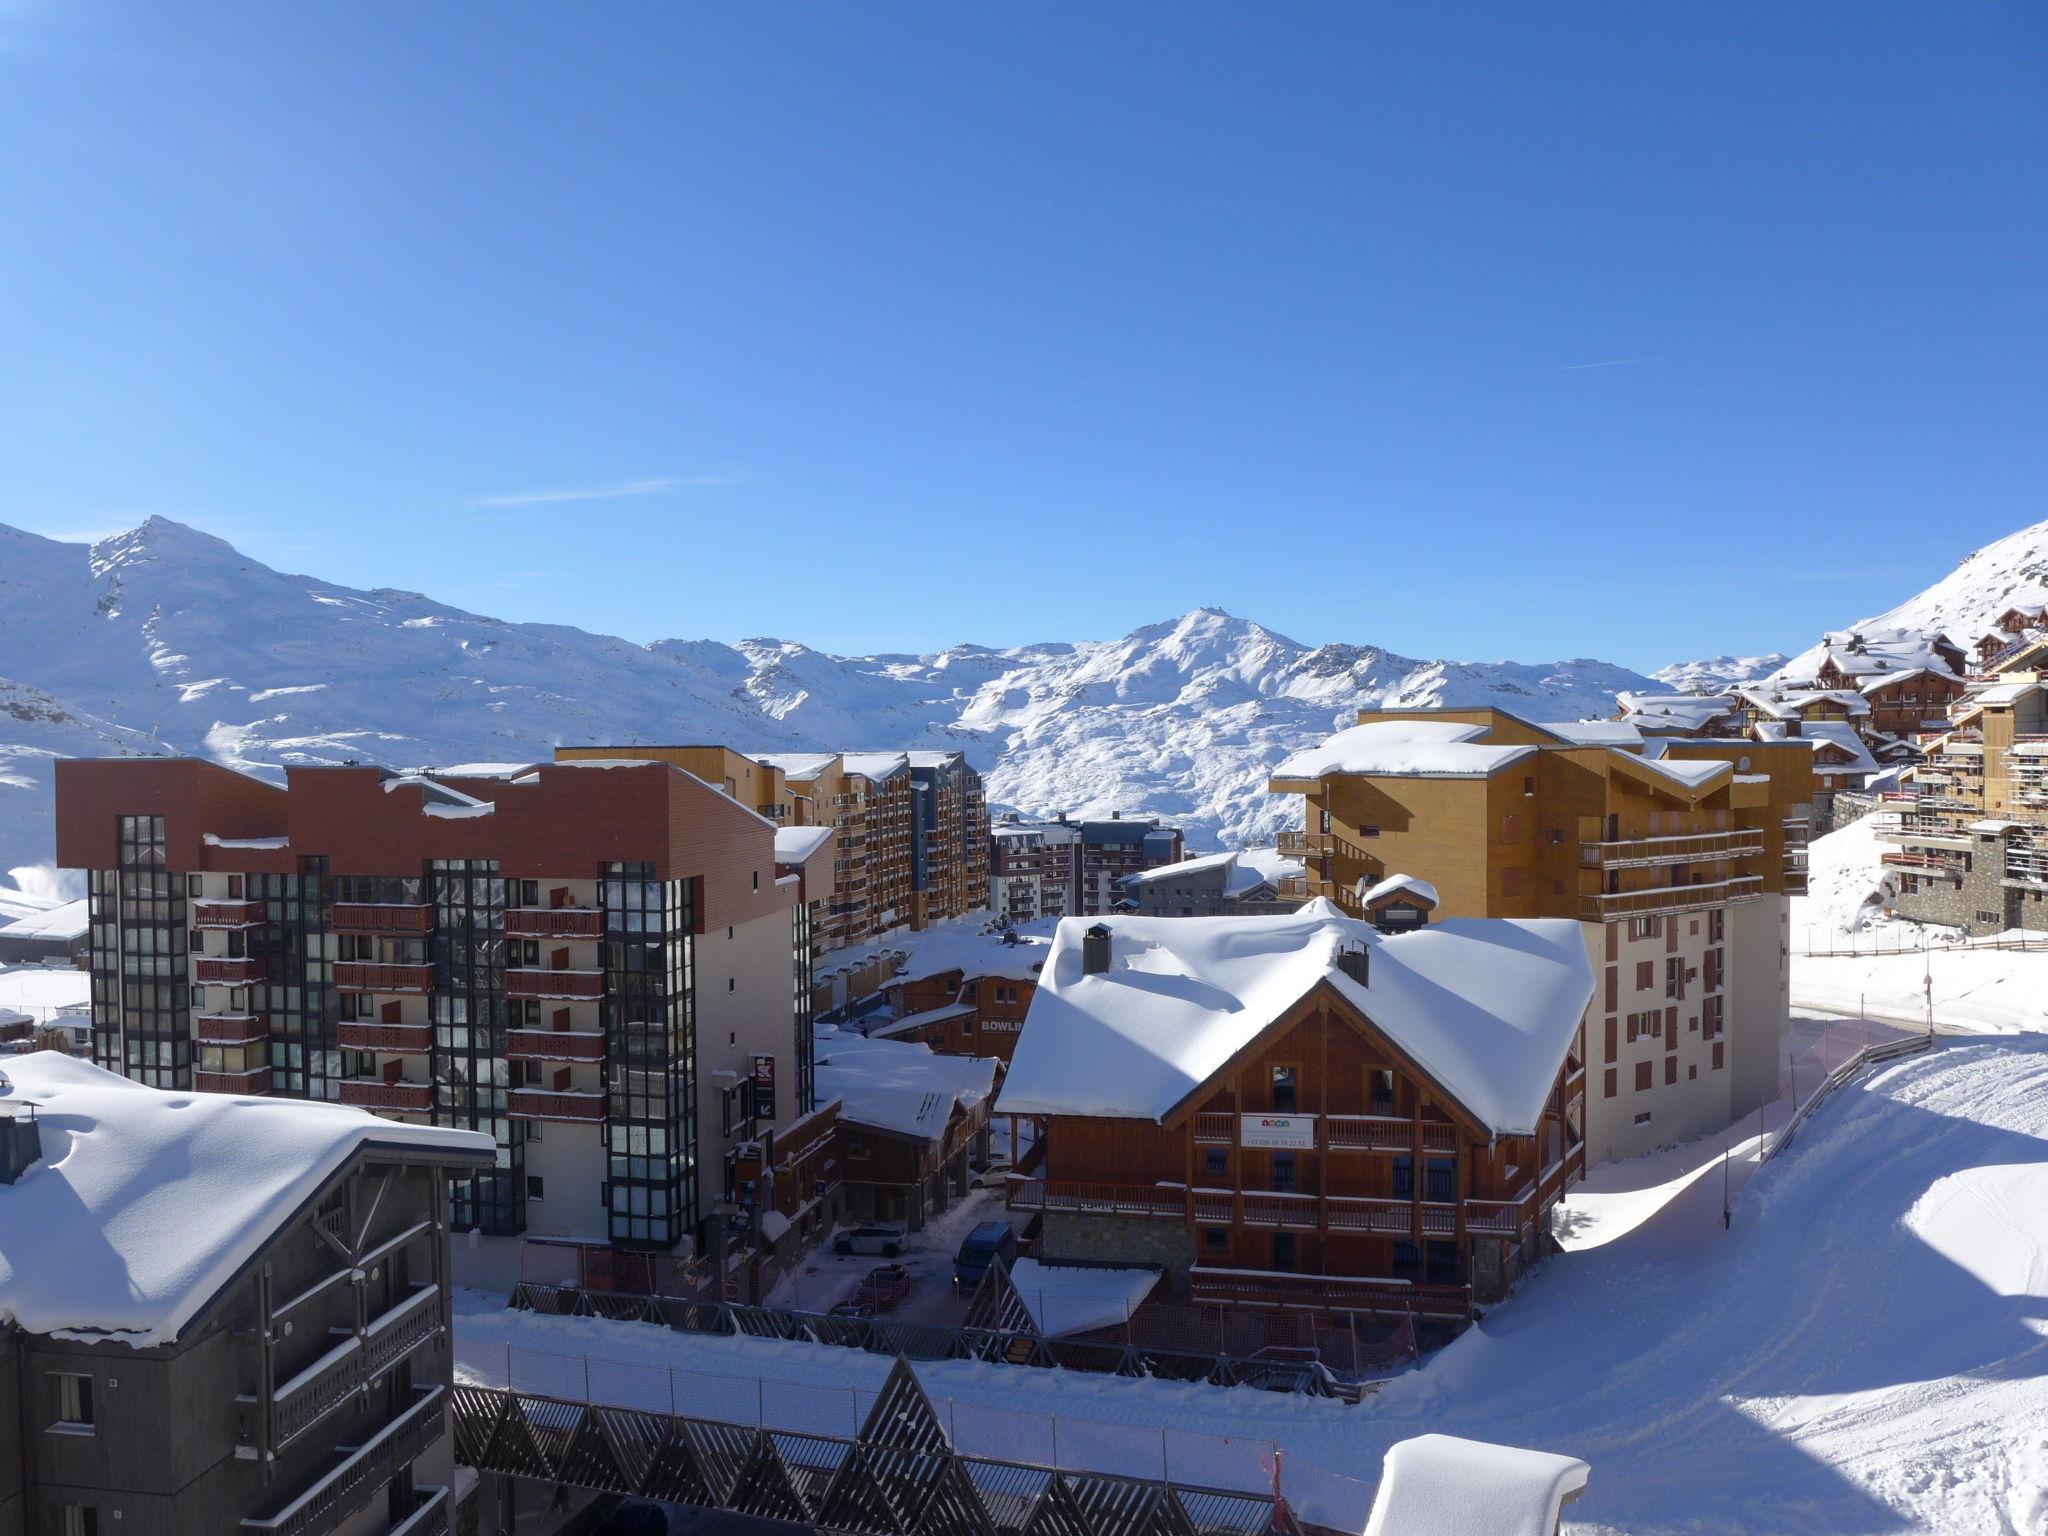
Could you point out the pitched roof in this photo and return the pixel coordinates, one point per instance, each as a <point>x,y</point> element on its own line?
<point>1485,1006</point>
<point>1405,748</point>
<point>146,1202</point>
<point>901,1086</point>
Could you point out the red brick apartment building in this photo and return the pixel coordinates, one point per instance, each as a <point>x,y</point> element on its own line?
<point>597,963</point>
<point>1300,1111</point>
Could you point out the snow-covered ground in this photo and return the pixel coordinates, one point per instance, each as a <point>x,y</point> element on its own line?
<point>41,991</point>
<point>1866,1350</point>
<point>1893,966</point>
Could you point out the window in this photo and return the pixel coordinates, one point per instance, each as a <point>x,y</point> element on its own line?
<point>1674,977</point>
<point>1646,975</point>
<point>1380,1084</point>
<point>1283,1172</point>
<point>74,1402</point>
<point>1643,1118</point>
<point>1216,1162</point>
<point>1283,1251</point>
<point>77,1520</point>
<point>1284,1079</point>
<point>535,1187</point>
<point>1642,1076</point>
<point>1216,1239</point>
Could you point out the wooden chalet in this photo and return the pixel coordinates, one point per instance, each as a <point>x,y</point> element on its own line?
<point>1300,1111</point>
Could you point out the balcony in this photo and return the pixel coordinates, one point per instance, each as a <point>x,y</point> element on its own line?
<point>1688,848</point>
<point>554,923</point>
<point>256,1080</point>
<point>391,1039</point>
<point>375,1093</point>
<point>218,970</point>
<point>380,917</point>
<point>1097,1199</point>
<point>554,1044</point>
<point>1277,1208</point>
<point>534,983</point>
<point>1923,863</point>
<point>1305,845</point>
<point>1333,1293</point>
<point>1605,906</point>
<point>575,1105</point>
<point>1388,1133</point>
<point>349,1485</point>
<point>378,976</point>
<point>226,914</point>
<point>430,1519</point>
<point>229,1028</point>
<point>337,1377</point>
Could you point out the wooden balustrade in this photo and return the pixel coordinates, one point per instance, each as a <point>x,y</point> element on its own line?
<point>380,917</point>
<point>218,970</point>
<point>227,914</point>
<point>554,922</point>
<point>393,1039</point>
<point>535,983</point>
<point>373,976</point>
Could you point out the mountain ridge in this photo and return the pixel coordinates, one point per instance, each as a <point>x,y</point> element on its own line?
<point>166,638</point>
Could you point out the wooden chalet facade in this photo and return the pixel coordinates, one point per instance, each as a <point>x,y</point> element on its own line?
<point>961,1015</point>
<point>1320,1166</point>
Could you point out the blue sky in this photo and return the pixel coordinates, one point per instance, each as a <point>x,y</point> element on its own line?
<point>1629,331</point>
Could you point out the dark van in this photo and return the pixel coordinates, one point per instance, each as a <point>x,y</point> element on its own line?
<point>984,1245</point>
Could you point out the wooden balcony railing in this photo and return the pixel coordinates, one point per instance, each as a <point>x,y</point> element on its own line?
<point>1278,1208</point>
<point>255,1080</point>
<point>1608,905</point>
<point>380,917</point>
<point>350,1484</point>
<point>535,983</point>
<point>575,1105</point>
<point>1097,1199</point>
<point>379,976</point>
<point>1336,1293</point>
<point>1213,1128</point>
<point>375,1093</point>
<point>554,922</point>
<point>555,1044</point>
<point>1684,848</point>
<point>392,1039</point>
<point>229,1028</point>
<point>226,914</point>
<point>220,971</point>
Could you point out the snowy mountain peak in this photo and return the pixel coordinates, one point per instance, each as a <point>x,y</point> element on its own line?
<point>166,638</point>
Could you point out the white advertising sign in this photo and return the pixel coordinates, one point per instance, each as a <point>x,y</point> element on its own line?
<point>1296,1131</point>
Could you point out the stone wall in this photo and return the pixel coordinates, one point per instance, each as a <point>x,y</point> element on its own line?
<point>1121,1240</point>
<point>1846,807</point>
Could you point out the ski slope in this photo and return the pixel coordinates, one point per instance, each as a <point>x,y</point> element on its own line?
<point>1866,1350</point>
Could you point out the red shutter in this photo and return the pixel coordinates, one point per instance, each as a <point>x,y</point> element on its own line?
<point>1671,936</point>
<point>1608,1085</point>
<point>1613,940</point>
<point>1610,1037</point>
<point>1671,1022</point>
<point>1613,987</point>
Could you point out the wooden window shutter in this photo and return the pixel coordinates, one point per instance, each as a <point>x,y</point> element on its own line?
<point>1608,1085</point>
<point>1612,988</point>
<point>1611,1032</point>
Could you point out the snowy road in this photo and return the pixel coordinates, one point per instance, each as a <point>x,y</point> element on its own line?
<point>1865,1351</point>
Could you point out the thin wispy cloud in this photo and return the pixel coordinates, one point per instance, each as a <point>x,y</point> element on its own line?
<point>1613,362</point>
<point>651,487</point>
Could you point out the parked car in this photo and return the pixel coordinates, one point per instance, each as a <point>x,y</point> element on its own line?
<point>886,1241</point>
<point>853,1308</point>
<point>995,1176</point>
<point>884,1287</point>
<point>983,1246</point>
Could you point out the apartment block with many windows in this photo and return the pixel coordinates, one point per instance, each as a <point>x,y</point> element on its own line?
<point>1061,868</point>
<point>1674,855</point>
<point>594,963</point>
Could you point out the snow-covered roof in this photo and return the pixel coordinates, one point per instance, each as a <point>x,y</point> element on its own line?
<point>42,990</point>
<point>933,759</point>
<point>1839,733</point>
<point>1406,748</point>
<point>1395,885</point>
<point>2004,693</point>
<point>1791,703</point>
<point>1677,711</point>
<point>911,1022</point>
<point>1994,824</point>
<point>1274,865</point>
<point>1441,1485</point>
<point>795,844</point>
<point>1238,875</point>
<point>874,765</point>
<point>1886,679</point>
<point>1485,1006</point>
<point>802,767</point>
<point>898,1085</point>
<point>17,904</point>
<point>1692,772</point>
<point>974,954</point>
<point>146,1201</point>
<point>1596,733</point>
<point>1063,1299</point>
<point>1859,652</point>
<point>66,922</point>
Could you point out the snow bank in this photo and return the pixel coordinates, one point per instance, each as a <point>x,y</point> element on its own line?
<point>1440,1485</point>
<point>146,1202</point>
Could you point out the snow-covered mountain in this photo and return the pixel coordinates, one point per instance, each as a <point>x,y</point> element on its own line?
<point>1715,673</point>
<point>2010,572</point>
<point>166,639</point>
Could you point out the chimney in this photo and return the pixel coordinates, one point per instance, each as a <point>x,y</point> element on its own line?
<point>1357,964</point>
<point>21,1141</point>
<point>1095,950</point>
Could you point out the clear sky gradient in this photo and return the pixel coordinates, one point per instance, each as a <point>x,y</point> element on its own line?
<point>1637,331</point>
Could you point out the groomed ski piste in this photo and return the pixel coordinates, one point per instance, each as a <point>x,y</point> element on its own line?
<point>1865,1349</point>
